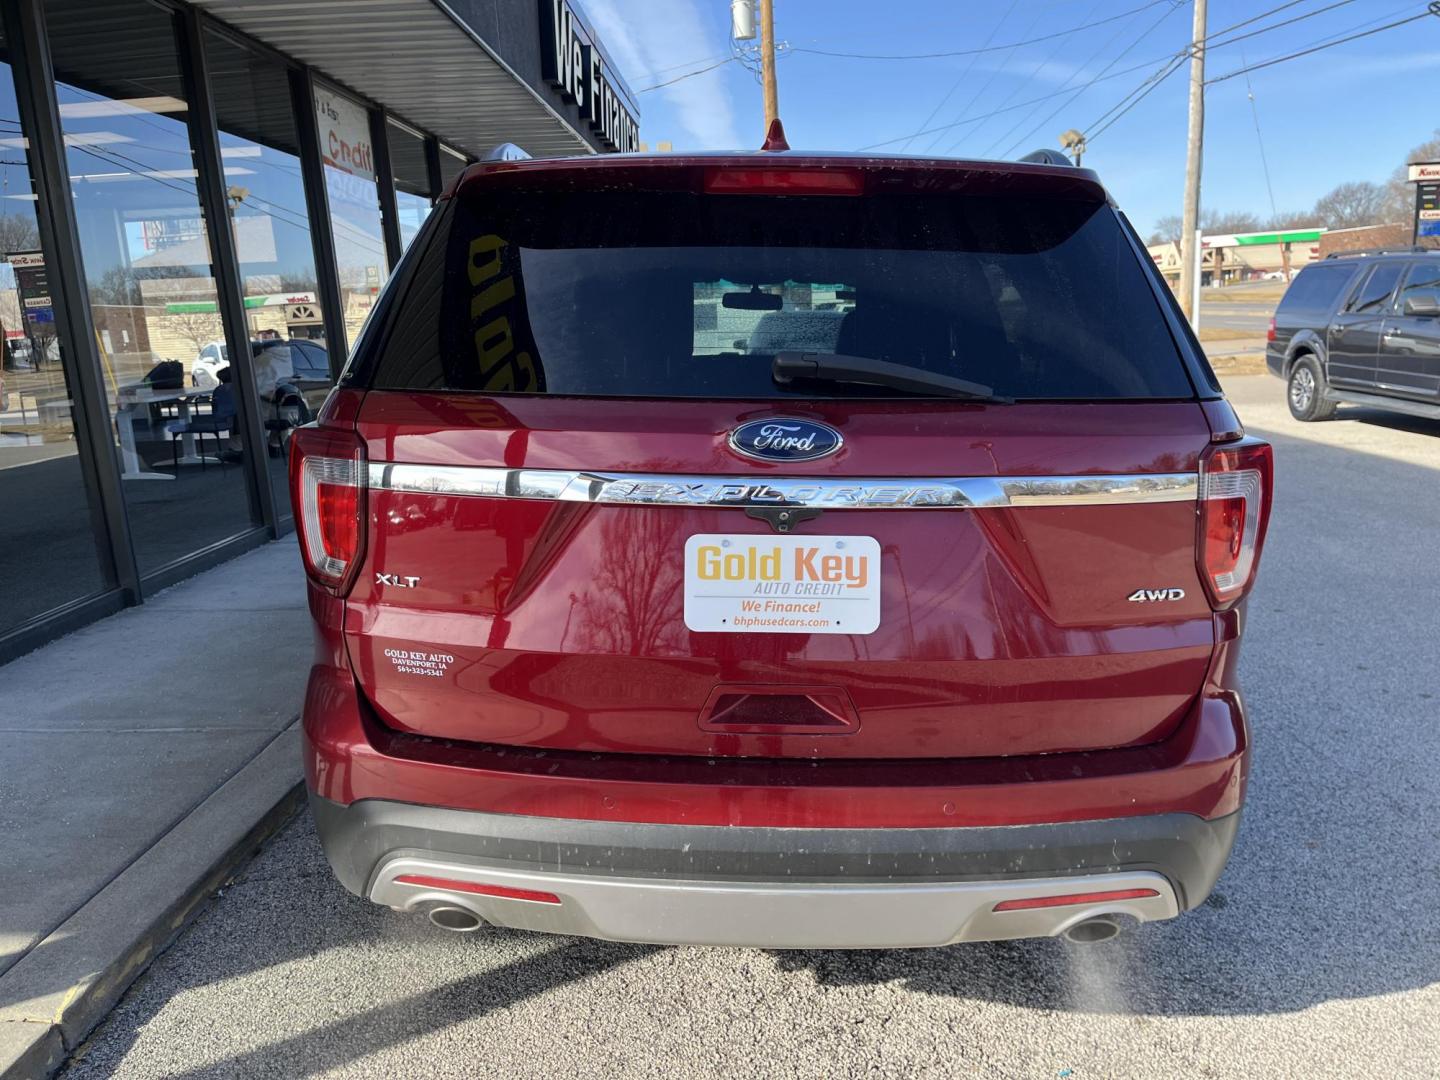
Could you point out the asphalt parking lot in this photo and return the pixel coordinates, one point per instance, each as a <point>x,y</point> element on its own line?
<point>1319,955</point>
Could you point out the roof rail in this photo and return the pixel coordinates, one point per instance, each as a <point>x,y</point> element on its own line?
<point>1414,249</point>
<point>1046,156</point>
<point>507,151</point>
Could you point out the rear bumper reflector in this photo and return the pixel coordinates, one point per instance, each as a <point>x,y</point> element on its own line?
<point>909,493</point>
<point>1071,899</point>
<point>475,888</point>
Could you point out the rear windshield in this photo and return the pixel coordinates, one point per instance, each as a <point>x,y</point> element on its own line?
<point>1316,289</point>
<point>679,295</point>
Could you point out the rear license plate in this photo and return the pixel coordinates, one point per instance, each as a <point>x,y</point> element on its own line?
<point>782,584</point>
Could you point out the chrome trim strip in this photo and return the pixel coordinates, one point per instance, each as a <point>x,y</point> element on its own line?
<point>824,493</point>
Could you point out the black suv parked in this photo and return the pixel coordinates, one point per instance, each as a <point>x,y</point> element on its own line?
<point>1362,328</point>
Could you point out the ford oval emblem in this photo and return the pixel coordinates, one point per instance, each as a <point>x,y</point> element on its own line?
<point>782,438</point>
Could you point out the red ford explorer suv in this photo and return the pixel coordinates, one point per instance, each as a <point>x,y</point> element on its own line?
<point>781,550</point>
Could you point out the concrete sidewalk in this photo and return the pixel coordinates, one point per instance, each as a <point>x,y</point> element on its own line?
<point>144,757</point>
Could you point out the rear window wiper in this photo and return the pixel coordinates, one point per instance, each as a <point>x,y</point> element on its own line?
<point>868,371</point>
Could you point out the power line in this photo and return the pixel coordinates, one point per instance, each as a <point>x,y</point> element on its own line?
<point>1175,64</point>
<point>1125,104</point>
<point>689,75</point>
<point>1168,59</point>
<point>1432,9</point>
<point>974,59</point>
<point>990,48</point>
<point>1272,26</point>
<point>995,73</point>
<point>1115,60</point>
<point>1260,139</point>
<point>1058,48</point>
<point>1252,19</point>
<point>677,67</point>
<point>1098,124</point>
<point>1009,108</point>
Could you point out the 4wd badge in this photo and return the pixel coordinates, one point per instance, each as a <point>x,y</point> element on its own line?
<point>1149,596</point>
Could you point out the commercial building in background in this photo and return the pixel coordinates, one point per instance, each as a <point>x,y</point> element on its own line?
<point>199,203</point>
<point>1231,257</point>
<point>1366,238</point>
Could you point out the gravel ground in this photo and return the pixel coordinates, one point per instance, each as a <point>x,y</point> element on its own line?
<point>1319,955</point>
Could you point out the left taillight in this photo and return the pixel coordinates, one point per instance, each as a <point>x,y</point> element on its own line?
<point>327,493</point>
<point>1236,489</point>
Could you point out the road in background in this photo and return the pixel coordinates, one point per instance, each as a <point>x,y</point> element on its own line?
<point>1245,308</point>
<point>1318,956</point>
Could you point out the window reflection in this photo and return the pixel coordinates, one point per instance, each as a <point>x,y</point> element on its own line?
<point>148,270</point>
<point>452,164</point>
<point>260,152</point>
<point>48,555</point>
<point>414,192</point>
<point>348,154</point>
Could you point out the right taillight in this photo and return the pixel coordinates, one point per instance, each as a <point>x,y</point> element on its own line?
<point>1236,486</point>
<point>327,492</point>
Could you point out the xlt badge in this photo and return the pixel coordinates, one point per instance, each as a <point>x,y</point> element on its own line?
<point>396,580</point>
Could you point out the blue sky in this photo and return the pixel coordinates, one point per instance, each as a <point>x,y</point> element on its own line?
<point>1347,113</point>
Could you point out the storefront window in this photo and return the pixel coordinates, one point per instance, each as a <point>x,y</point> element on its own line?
<point>348,154</point>
<point>48,556</point>
<point>413,193</point>
<point>260,153</point>
<point>148,270</point>
<point>452,163</point>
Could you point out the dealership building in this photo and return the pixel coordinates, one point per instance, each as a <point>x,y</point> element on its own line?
<point>184,185</point>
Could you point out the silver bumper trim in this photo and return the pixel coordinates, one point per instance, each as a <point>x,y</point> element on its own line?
<point>826,493</point>
<point>780,915</point>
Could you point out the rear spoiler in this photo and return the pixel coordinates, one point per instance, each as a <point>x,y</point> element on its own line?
<point>697,173</point>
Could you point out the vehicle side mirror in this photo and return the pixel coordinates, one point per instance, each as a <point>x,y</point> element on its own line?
<point>1422,303</point>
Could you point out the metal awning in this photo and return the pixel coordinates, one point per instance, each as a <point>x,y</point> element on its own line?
<point>419,61</point>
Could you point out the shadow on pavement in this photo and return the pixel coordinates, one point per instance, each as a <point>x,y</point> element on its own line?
<point>294,913</point>
<point>359,1034</point>
<point>1415,425</point>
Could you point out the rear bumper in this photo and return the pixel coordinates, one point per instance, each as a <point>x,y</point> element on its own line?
<point>772,887</point>
<point>1199,770</point>
<point>1275,360</point>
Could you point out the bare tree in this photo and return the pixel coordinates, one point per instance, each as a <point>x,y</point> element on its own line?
<point>118,286</point>
<point>18,233</point>
<point>1399,192</point>
<point>297,283</point>
<point>1229,221</point>
<point>197,327</point>
<point>1351,205</point>
<point>1294,219</point>
<point>1166,231</point>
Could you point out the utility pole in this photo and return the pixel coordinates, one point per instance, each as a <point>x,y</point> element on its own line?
<point>767,61</point>
<point>1190,217</point>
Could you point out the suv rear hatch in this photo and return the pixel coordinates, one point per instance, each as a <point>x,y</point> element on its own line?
<point>558,527</point>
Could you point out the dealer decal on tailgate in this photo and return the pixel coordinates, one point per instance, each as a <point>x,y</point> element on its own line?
<point>782,584</point>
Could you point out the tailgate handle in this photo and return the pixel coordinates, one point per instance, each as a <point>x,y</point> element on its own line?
<point>753,709</point>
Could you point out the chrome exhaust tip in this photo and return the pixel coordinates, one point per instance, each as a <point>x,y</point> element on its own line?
<point>1092,931</point>
<point>458,919</point>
